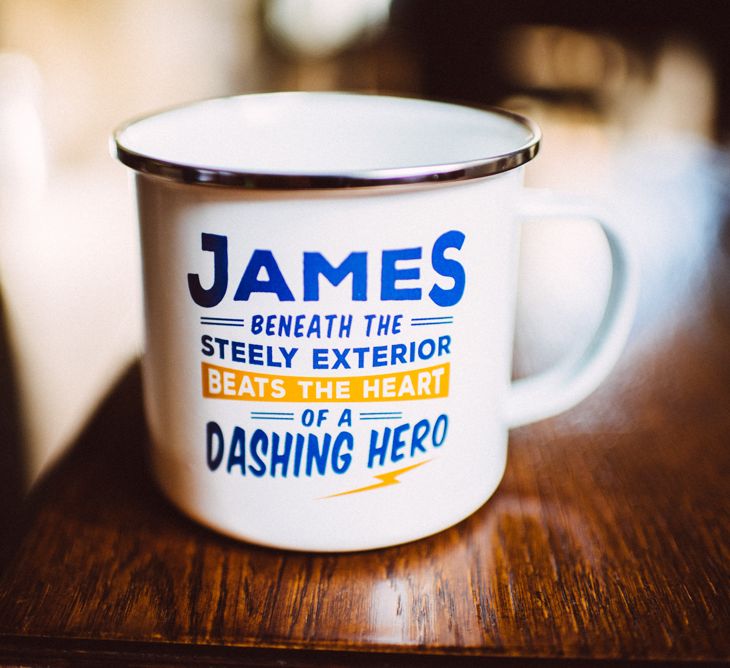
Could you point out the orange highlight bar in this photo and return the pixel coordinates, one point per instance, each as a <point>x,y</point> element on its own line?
<point>235,384</point>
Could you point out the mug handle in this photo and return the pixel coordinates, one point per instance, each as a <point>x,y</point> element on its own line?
<point>576,376</point>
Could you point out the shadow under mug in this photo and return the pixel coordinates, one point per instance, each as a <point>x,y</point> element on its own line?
<point>330,285</point>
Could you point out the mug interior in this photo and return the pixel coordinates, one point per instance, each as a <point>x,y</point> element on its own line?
<point>312,134</point>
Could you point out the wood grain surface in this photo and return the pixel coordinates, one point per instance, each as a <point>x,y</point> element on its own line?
<point>607,539</point>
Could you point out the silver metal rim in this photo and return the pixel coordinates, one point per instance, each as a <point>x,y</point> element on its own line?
<point>437,173</point>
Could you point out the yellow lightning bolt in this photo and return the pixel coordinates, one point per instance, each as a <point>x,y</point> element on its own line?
<point>386,479</point>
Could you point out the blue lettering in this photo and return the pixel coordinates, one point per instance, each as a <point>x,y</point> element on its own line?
<point>213,431</point>
<point>341,461</point>
<point>318,456</point>
<point>397,283</point>
<point>258,438</point>
<point>237,453</point>
<point>390,274</point>
<point>212,296</point>
<point>394,444</point>
<point>440,428</point>
<point>420,431</point>
<point>448,268</point>
<point>263,259</point>
<point>319,358</point>
<point>298,449</point>
<point>398,443</point>
<point>280,458</point>
<point>208,350</point>
<point>376,450</point>
<point>238,351</point>
<point>315,265</point>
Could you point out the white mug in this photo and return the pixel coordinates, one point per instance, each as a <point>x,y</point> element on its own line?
<point>330,289</point>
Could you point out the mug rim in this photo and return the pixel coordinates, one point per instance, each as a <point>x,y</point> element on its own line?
<point>194,174</point>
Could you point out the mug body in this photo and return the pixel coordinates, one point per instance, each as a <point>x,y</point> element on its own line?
<point>304,413</point>
<point>325,367</point>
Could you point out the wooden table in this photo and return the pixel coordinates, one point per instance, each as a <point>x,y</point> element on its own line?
<point>607,540</point>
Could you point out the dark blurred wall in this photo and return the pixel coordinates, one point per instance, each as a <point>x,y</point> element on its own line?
<point>12,474</point>
<point>460,44</point>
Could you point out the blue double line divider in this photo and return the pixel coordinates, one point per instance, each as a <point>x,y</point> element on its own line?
<point>381,415</point>
<point>435,320</point>
<point>223,322</point>
<point>272,415</point>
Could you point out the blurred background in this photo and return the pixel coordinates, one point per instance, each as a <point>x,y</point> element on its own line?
<point>632,96</point>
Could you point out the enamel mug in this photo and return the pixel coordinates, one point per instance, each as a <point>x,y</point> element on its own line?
<point>329,285</point>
